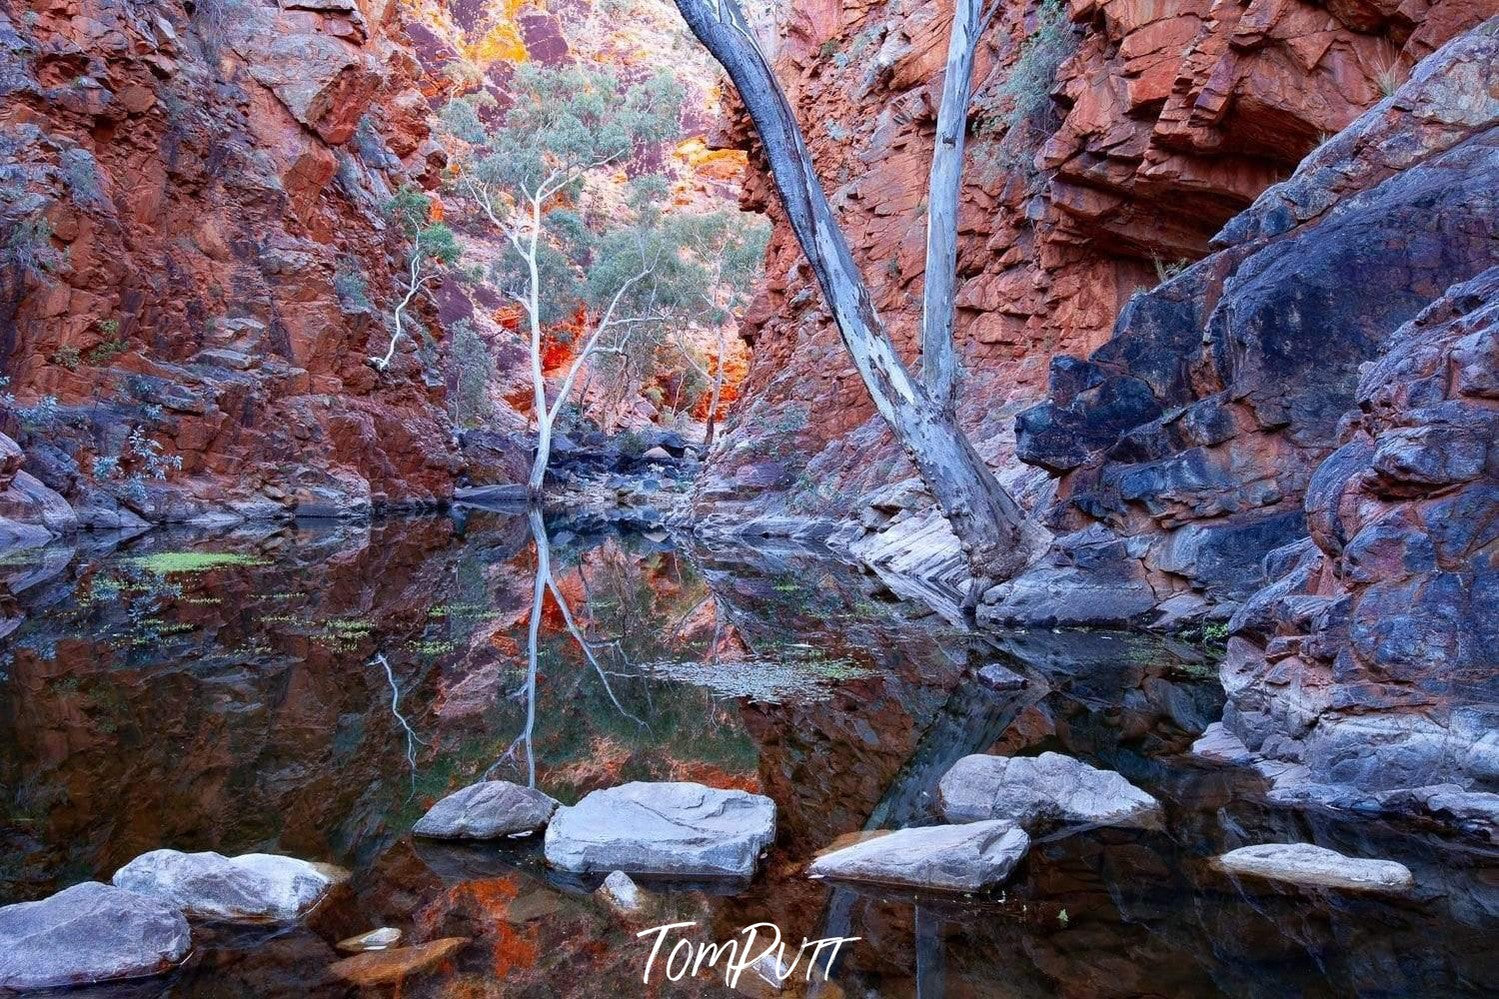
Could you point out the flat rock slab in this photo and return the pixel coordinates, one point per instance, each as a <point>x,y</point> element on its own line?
<point>968,857</point>
<point>91,932</point>
<point>387,967</point>
<point>1305,864</point>
<point>1046,788</point>
<point>1221,746</point>
<point>668,828</point>
<point>491,809</point>
<point>254,888</point>
<point>381,939</point>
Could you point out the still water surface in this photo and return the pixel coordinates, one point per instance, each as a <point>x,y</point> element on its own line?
<point>312,690</point>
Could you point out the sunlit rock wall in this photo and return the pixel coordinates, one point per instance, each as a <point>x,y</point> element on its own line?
<point>209,179</point>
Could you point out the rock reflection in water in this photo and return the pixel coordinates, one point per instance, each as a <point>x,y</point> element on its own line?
<point>315,691</point>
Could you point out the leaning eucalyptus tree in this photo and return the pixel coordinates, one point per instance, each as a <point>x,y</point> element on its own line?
<point>997,537</point>
<point>545,178</point>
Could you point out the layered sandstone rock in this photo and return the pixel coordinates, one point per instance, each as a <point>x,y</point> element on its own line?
<point>202,184</point>
<point>1165,121</point>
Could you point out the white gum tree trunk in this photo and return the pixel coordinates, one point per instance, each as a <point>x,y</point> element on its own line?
<point>996,536</point>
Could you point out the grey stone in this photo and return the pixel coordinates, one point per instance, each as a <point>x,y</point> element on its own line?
<point>622,894</point>
<point>1045,788</point>
<point>385,936</point>
<point>488,810</point>
<point>253,888</point>
<point>91,932</point>
<point>968,857</point>
<point>668,828</point>
<point>1220,745</point>
<point>997,677</point>
<point>1305,864</point>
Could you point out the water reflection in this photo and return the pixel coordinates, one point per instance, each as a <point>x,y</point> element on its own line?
<point>313,690</point>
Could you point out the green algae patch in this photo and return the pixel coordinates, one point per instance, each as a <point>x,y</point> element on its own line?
<point>167,563</point>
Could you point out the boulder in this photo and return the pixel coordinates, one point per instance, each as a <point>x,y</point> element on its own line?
<point>488,810</point>
<point>666,828</point>
<point>968,857</point>
<point>1305,864</point>
<point>253,888</point>
<point>621,894</point>
<point>1041,789</point>
<point>91,932</point>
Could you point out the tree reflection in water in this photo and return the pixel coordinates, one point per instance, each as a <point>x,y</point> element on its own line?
<point>545,583</point>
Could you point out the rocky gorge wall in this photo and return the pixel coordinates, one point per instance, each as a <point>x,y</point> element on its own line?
<point>1321,389</point>
<point>1163,121</point>
<point>199,188</point>
<point>1298,427</point>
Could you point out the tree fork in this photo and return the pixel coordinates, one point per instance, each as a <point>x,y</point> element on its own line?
<point>997,538</point>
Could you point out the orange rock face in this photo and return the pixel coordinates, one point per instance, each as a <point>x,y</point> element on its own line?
<point>208,180</point>
<point>1166,119</point>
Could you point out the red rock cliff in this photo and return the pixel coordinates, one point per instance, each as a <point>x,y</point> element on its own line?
<point>199,186</point>
<point>1167,118</point>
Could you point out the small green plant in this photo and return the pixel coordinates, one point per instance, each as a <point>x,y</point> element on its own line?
<point>101,354</point>
<point>29,248</point>
<point>828,48</point>
<point>351,288</point>
<point>66,357</point>
<point>1389,74</point>
<point>1165,271</point>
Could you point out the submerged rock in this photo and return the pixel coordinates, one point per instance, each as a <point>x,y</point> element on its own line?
<point>487,810</point>
<point>671,828</point>
<point>91,932</point>
<point>622,894</point>
<point>1046,788</point>
<point>968,857</point>
<point>381,939</point>
<point>253,888</point>
<point>385,967</point>
<point>1305,864</point>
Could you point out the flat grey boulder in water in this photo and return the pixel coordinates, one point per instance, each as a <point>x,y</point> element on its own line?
<point>667,828</point>
<point>1305,864</point>
<point>254,888</point>
<point>490,809</point>
<point>91,932</point>
<point>1046,788</point>
<point>968,857</point>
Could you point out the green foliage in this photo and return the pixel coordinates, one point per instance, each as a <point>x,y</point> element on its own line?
<point>471,403</point>
<point>563,123</point>
<point>67,357</point>
<point>351,288</point>
<point>427,241</point>
<point>29,249</point>
<point>1029,84</point>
